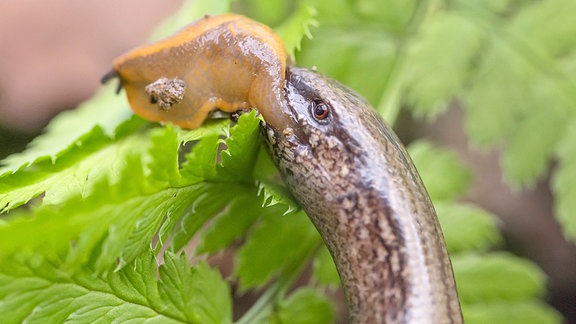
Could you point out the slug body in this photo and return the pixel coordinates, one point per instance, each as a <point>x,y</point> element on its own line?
<point>355,180</point>
<point>227,62</point>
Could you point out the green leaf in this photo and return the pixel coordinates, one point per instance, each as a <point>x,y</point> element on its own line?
<point>305,306</point>
<point>208,128</point>
<point>241,149</point>
<point>496,277</point>
<point>38,291</point>
<point>114,188</point>
<point>365,60</point>
<point>231,224</point>
<point>162,161</point>
<point>435,71</point>
<point>269,12</point>
<point>467,228</point>
<point>564,182</point>
<point>95,120</point>
<point>200,163</point>
<point>75,173</point>
<point>491,112</point>
<point>523,312</point>
<point>522,53</point>
<point>527,153</point>
<point>123,214</point>
<point>206,201</point>
<point>293,29</point>
<point>325,273</point>
<point>552,36</point>
<point>396,18</point>
<point>199,293</point>
<point>278,243</point>
<point>273,194</point>
<point>444,175</point>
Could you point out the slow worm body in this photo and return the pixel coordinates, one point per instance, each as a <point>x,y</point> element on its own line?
<point>345,167</point>
<point>355,180</point>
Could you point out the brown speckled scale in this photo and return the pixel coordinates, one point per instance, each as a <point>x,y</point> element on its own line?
<point>361,190</point>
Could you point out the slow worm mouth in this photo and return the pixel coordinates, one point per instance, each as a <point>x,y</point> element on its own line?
<point>284,122</point>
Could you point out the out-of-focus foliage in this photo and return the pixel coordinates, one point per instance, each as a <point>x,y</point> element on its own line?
<point>110,196</point>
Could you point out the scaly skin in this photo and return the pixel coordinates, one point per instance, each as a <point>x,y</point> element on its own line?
<point>355,180</point>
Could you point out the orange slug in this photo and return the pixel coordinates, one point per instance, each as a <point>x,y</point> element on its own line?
<point>225,62</point>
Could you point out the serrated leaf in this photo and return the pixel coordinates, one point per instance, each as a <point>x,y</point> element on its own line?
<point>467,228</point>
<point>278,243</point>
<point>273,195</point>
<point>523,312</point>
<point>436,70</point>
<point>95,119</point>
<point>207,201</point>
<point>296,27</point>
<point>445,177</point>
<point>162,159</point>
<point>522,54</point>
<point>231,224</point>
<point>241,149</point>
<point>200,163</point>
<point>73,174</point>
<point>37,291</point>
<point>305,306</point>
<point>199,293</point>
<point>496,277</point>
<point>491,113</point>
<point>552,36</point>
<point>527,153</point>
<point>209,128</point>
<point>120,218</point>
<point>564,182</point>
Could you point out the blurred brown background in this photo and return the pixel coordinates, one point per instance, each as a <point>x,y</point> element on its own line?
<point>53,53</point>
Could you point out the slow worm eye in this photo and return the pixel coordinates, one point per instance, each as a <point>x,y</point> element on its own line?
<point>320,110</point>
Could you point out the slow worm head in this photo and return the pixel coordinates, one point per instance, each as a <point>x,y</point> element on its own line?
<point>355,180</point>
